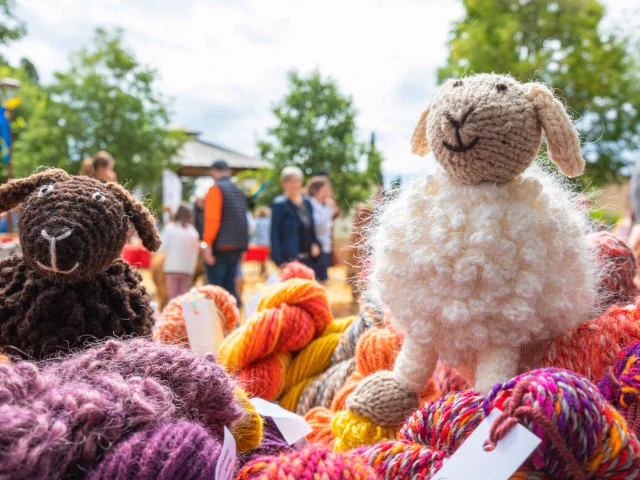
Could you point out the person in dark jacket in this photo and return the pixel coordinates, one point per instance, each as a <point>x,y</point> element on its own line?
<point>293,233</point>
<point>226,231</point>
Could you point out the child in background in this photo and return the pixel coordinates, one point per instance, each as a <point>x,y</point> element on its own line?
<point>262,237</point>
<point>181,244</point>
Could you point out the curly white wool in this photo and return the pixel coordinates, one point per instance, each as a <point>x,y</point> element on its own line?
<point>473,267</point>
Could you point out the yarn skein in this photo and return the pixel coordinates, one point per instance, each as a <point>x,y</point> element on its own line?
<point>311,462</point>
<point>296,270</point>
<point>50,429</point>
<point>591,348</point>
<point>621,385</point>
<point>290,315</point>
<point>311,361</point>
<point>203,391</point>
<point>171,451</point>
<point>617,286</point>
<point>582,435</point>
<point>172,328</point>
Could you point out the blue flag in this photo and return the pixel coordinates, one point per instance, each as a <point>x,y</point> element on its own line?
<point>5,136</point>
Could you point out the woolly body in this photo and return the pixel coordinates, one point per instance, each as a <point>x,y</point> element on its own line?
<point>40,317</point>
<point>468,268</point>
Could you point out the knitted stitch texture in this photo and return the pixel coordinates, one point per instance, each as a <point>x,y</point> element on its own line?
<point>591,348</point>
<point>473,120</point>
<point>312,462</point>
<point>171,451</point>
<point>70,282</point>
<point>290,315</point>
<point>483,257</point>
<point>172,329</point>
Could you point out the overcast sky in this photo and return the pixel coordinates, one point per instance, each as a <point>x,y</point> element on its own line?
<point>224,62</point>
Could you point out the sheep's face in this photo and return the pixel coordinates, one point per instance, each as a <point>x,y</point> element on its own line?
<point>483,128</point>
<point>72,230</point>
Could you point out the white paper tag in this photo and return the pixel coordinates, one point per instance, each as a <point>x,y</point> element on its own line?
<point>292,427</point>
<point>472,462</point>
<point>227,460</point>
<point>252,305</point>
<point>203,326</point>
<point>273,279</point>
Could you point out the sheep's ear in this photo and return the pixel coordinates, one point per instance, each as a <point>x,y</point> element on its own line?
<point>141,218</point>
<point>14,192</point>
<point>419,142</point>
<point>562,138</point>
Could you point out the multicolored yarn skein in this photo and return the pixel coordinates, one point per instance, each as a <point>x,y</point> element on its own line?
<point>621,385</point>
<point>591,348</point>
<point>582,435</point>
<point>312,462</point>
<point>172,329</point>
<point>290,315</point>
<point>171,451</point>
<point>617,286</point>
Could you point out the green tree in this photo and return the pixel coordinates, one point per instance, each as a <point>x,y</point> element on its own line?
<point>561,43</point>
<point>104,101</point>
<point>316,131</point>
<point>374,162</point>
<point>11,28</point>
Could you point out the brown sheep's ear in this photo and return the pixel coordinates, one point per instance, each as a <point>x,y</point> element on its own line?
<point>15,191</point>
<point>141,218</point>
<point>562,138</point>
<point>419,142</point>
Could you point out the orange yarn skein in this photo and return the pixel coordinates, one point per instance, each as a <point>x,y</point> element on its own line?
<point>290,315</point>
<point>172,329</point>
<point>591,348</point>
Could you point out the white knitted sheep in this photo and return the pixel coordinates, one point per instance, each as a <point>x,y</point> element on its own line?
<point>486,255</point>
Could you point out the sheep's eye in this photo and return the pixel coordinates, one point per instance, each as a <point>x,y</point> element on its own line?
<point>44,191</point>
<point>501,87</point>
<point>457,83</point>
<point>98,196</point>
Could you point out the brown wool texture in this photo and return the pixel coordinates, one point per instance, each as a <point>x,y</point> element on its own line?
<point>43,312</point>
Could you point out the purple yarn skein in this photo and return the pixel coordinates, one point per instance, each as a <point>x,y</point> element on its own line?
<point>172,451</point>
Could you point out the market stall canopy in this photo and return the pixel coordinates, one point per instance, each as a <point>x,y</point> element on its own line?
<point>196,157</point>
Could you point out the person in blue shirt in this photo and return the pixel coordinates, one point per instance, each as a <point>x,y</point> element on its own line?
<point>293,234</point>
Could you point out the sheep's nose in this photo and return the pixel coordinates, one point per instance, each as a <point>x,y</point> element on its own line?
<point>56,235</point>
<point>459,118</point>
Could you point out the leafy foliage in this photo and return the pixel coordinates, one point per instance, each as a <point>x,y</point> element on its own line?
<point>104,101</point>
<point>316,131</point>
<point>11,28</point>
<point>561,43</point>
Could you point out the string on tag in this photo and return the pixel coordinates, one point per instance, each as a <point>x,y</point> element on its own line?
<point>512,415</point>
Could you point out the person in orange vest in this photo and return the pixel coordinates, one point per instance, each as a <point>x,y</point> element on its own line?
<point>226,230</point>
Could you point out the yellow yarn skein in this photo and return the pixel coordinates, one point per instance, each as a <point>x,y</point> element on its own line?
<point>248,431</point>
<point>353,431</point>
<point>311,361</point>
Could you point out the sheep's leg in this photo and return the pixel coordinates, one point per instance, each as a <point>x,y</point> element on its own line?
<point>415,364</point>
<point>494,365</point>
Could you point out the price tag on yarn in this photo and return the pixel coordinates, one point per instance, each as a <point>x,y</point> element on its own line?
<point>204,327</point>
<point>472,462</point>
<point>227,460</point>
<point>292,427</point>
<point>252,305</point>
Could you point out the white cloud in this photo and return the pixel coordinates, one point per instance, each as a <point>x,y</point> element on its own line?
<point>224,62</point>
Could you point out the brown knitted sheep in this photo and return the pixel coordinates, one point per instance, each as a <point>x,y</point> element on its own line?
<point>70,281</point>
